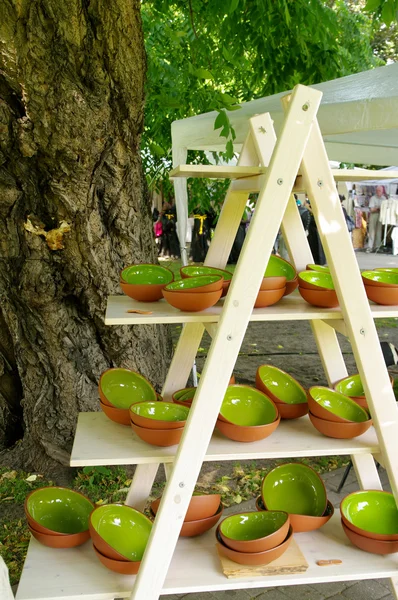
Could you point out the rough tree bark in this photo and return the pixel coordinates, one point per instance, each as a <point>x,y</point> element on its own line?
<point>73,212</point>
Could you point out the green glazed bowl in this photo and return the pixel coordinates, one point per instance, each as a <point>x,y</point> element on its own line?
<point>280,386</point>
<point>253,525</point>
<point>246,406</point>
<point>320,268</point>
<point>317,278</point>
<point>296,489</point>
<point>381,277</point>
<point>59,509</point>
<point>333,406</point>
<point>122,388</point>
<point>372,512</point>
<point>350,386</point>
<point>278,267</point>
<point>123,528</point>
<point>160,411</point>
<point>192,282</point>
<point>388,270</point>
<point>147,274</point>
<point>193,271</point>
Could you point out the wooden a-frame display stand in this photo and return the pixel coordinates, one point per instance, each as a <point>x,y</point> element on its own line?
<point>296,161</point>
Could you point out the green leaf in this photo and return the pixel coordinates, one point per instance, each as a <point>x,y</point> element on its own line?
<point>227,55</point>
<point>233,107</point>
<point>156,149</point>
<point>372,5</point>
<point>203,74</point>
<point>229,149</point>
<point>221,120</point>
<point>228,99</point>
<point>388,13</point>
<point>233,6</point>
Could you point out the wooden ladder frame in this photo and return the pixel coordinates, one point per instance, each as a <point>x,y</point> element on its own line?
<point>299,147</point>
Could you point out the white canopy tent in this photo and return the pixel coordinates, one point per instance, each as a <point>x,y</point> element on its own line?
<point>358,118</point>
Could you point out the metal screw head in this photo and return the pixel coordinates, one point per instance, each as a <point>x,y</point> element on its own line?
<point>305,106</point>
<point>279,181</point>
<point>362,331</point>
<point>320,182</point>
<point>229,337</point>
<point>181,484</point>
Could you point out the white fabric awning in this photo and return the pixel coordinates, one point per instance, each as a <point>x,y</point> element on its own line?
<point>358,118</point>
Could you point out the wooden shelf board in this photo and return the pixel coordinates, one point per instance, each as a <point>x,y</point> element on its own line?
<point>216,172</point>
<point>99,441</point>
<point>77,574</point>
<point>290,308</point>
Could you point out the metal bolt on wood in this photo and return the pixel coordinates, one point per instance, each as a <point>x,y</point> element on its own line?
<point>279,181</point>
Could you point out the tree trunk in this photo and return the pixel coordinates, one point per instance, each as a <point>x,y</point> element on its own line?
<point>73,212</point>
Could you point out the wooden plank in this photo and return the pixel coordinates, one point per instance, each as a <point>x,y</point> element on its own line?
<point>290,563</point>
<point>76,574</point>
<point>290,308</point>
<point>216,171</point>
<point>99,441</point>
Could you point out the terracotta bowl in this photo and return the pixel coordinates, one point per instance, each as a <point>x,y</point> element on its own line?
<point>380,278</point>
<point>315,280</point>
<point>329,405</point>
<point>322,299</point>
<point>104,548</point>
<point>118,415</point>
<point>273,283</point>
<point>158,437</point>
<point>269,297</point>
<point>253,558</point>
<point>60,541</point>
<point>118,566</point>
<point>368,544</point>
<point>310,286</point>
<point>372,514</point>
<point>201,506</point>
<point>145,282</point>
<point>201,284</point>
<point>352,387</point>
<point>340,431</point>
<point>323,268</point>
<point>291,411</point>
<point>170,416</point>
<point>195,271</point>
<point>291,285</point>
<point>184,397</point>
<point>194,528</point>
<point>192,302</point>
<point>255,531</point>
<point>120,388</point>
<point>382,295</point>
<point>240,433</point>
<point>301,523</point>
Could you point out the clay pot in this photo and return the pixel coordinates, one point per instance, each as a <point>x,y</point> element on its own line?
<point>142,293</point>
<point>382,295</point>
<point>322,298</point>
<point>200,507</point>
<point>382,284</point>
<point>269,297</point>
<point>104,548</point>
<point>301,523</point>
<point>368,544</point>
<point>118,415</point>
<point>192,302</point>
<point>158,437</point>
<point>187,402</point>
<point>291,286</point>
<point>273,283</point>
<point>317,410</point>
<point>310,286</point>
<point>241,433</point>
<point>132,385</point>
<point>147,423</point>
<point>253,558</point>
<point>193,528</point>
<point>118,566</point>
<point>380,514</point>
<point>291,411</point>
<point>340,431</point>
<point>60,541</point>
<point>213,286</point>
<point>259,544</point>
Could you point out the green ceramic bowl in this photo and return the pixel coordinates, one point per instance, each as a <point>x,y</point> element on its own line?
<point>253,525</point>
<point>296,489</point>
<point>350,386</point>
<point>326,404</point>
<point>122,388</point>
<point>278,267</point>
<point>320,268</point>
<point>193,271</point>
<point>59,509</point>
<point>388,270</point>
<point>279,385</point>
<point>192,282</point>
<point>147,274</point>
<point>246,406</point>
<point>371,511</point>
<point>317,278</point>
<point>161,411</point>
<point>123,528</point>
<point>382,277</point>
